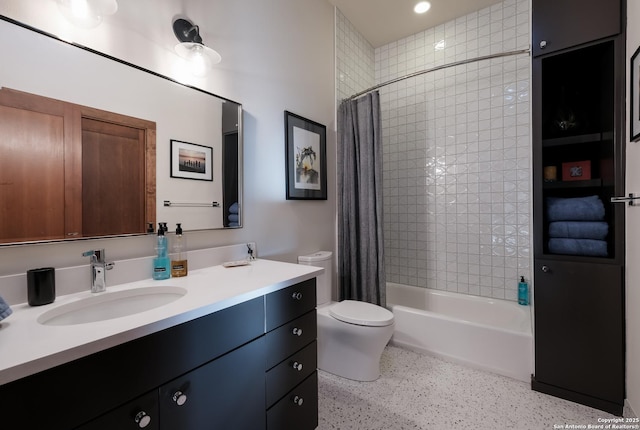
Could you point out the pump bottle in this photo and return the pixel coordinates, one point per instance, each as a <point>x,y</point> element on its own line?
<point>523,292</point>
<point>179,254</point>
<point>161,264</point>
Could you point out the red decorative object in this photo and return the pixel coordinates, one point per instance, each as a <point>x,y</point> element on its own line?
<point>576,171</point>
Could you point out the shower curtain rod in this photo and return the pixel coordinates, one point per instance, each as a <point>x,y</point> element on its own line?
<point>444,66</point>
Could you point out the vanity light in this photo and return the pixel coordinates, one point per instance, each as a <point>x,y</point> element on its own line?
<point>87,13</point>
<point>422,7</point>
<point>191,48</point>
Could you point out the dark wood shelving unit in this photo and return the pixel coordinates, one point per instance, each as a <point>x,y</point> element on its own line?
<point>578,120</point>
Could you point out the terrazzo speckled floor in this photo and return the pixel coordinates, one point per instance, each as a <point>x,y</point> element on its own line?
<point>417,391</point>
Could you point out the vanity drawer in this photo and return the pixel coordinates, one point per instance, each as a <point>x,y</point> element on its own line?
<point>291,337</point>
<point>140,412</point>
<point>287,304</point>
<point>298,410</point>
<point>291,372</point>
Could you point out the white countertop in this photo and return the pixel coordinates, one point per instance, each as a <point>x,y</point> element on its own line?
<point>28,347</point>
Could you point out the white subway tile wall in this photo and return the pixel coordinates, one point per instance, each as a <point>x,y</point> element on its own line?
<point>355,59</point>
<point>457,151</point>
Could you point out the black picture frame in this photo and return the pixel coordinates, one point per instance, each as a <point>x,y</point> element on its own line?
<point>191,161</point>
<point>306,158</point>
<point>634,85</point>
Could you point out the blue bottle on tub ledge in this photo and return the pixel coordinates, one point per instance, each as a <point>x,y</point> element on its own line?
<point>523,292</point>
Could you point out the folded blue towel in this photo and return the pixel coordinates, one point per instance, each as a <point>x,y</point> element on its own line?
<point>584,247</point>
<point>5,310</point>
<point>233,224</point>
<point>575,209</point>
<point>233,217</point>
<point>233,209</point>
<point>579,229</point>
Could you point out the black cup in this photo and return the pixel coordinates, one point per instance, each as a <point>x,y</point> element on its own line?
<point>41,286</point>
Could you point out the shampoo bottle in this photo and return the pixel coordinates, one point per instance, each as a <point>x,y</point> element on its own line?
<point>179,254</point>
<point>161,265</point>
<point>523,292</point>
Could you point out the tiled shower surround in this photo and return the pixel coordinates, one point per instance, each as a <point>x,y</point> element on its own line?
<point>457,151</point>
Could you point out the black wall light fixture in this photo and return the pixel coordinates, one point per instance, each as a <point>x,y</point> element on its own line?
<point>201,57</point>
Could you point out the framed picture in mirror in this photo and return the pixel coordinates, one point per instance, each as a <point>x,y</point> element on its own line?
<point>306,161</point>
<point>191,161</point>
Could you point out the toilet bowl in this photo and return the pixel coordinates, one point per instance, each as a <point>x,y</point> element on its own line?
<point>351,334</point>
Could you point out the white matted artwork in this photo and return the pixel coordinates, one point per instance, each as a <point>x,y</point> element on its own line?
<point>305,147</point>
<point>191,161</point>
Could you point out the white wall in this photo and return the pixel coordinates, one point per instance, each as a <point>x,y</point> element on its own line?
<point>633,226</point>
<point>277,56</point>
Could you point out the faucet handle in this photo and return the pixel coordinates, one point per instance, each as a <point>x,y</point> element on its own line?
<point>97,255</point>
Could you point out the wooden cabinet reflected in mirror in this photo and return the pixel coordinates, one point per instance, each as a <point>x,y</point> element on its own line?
<point>113,95</point>
<point>70,171</point>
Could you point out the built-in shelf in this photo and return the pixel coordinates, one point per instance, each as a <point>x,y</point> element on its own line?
<point>574,184</point>
<point>573,140</point>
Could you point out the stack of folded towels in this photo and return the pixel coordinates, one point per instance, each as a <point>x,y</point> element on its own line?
<point>5,310</point>
<point>233,215</point>
<point>577,226</point>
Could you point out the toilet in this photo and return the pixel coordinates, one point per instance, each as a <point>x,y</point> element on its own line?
<point>351,334</point>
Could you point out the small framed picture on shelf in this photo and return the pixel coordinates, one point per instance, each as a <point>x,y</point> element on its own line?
<point>576,171</point>
<point>635,96</point>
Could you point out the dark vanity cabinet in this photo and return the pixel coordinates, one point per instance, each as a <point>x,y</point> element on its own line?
<point>578,163</point>
<point>292,378</point>
<point>251,366</point>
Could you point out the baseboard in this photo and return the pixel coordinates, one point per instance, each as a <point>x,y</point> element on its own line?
<point>593,402</point>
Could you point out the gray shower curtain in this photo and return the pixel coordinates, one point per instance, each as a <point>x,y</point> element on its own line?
<point>360,239</point>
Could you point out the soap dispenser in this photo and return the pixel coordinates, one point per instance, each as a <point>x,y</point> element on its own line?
<point>523,292</point>
<point>161,264</point>
<point>179,254</point>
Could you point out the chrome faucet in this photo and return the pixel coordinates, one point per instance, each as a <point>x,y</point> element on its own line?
<point>98,268</point>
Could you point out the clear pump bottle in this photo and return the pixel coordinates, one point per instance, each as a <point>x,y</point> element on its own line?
<point>161,264</point>
<point>179,254</point>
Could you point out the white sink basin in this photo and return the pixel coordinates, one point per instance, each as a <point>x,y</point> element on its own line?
<point>110,305</point>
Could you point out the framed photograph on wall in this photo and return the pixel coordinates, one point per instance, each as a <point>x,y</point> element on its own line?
<point>191,161</point>
<point>306,160</point>
<point>635,96</point>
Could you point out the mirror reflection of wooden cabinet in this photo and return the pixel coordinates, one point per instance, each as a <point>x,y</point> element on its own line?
<point>100,164</point>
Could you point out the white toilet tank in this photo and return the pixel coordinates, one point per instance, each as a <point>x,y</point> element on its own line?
<point>323,283</point>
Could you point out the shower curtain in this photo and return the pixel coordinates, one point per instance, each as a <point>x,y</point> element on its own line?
<point>360,238</point>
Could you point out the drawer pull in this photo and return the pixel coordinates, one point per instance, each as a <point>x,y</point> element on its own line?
<point>298,400</point>
<point>297,296</point>
<point>297,331</point>
<point>180,398</point>
<point>297,366</point>
<point>543,44</point>
<point>142,419</point>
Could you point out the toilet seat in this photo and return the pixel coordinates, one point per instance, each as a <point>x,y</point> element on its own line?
<point>361,313</point>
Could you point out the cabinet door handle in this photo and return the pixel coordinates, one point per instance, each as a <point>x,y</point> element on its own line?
<point>543,44</point>
<point>298,400</point>
<point>546,269</point>
<point>142,419</point>
<point>297,331</point>
<point>297,366</point>
<point>297,295</point>
<point>180,398</point>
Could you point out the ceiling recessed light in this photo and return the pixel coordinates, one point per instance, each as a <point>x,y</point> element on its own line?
<point>422,7</point>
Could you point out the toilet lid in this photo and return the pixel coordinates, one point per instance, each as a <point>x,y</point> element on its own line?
<point>361,313</point>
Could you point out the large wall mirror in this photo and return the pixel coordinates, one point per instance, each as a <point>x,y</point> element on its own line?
<point>98,147</point>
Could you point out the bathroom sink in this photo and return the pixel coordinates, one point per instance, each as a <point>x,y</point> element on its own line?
<point>110,305</point>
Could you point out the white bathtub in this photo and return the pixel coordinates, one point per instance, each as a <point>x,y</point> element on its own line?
<point>488,334</point>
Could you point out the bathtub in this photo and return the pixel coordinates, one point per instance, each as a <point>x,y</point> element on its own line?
<point>488,334</point>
